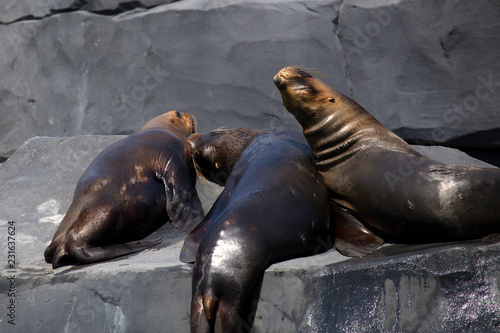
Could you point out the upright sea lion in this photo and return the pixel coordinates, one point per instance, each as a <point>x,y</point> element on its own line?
<point>274,207</point>
<point>129,190</point>
<point>376,178</point>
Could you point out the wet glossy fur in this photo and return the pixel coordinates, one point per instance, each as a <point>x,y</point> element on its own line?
<point>129,190</point>
<point>378,179</point>
<point>274,207</point>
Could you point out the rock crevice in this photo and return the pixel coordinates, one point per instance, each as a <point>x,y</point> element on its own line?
<point>113,8</point>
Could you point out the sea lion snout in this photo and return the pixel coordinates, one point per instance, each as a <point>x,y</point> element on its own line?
<point>285,75</point>
<point>192,120</point>
<point>277,81</point>
<point>293,79</point>
<point>292,72</point>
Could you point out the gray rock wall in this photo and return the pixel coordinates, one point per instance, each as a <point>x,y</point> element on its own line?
<point>429,70</point>
<point>400,288</point>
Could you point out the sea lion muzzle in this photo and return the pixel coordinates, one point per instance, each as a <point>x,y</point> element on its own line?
<point>277,81</point>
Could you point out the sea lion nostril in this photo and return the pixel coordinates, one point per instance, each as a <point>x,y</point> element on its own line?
<point>277,80</point>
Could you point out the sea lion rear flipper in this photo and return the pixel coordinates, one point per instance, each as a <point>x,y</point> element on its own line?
<point>199,321</point>
<point>352,238</point>
<point>87,255</point>
<point>183,204</point>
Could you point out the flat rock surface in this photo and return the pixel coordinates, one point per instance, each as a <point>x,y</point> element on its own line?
<point>400,288</point>
<point>429,72</point>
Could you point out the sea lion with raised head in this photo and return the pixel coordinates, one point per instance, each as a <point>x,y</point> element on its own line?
<point>379,181</point>
<point>129,190</point>
<point>274,207</point>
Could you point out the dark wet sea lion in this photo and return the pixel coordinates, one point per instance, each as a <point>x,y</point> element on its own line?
<point>129,190</point>
<point>377,178</point>
<point>215,153</point>
<point>274,207</point>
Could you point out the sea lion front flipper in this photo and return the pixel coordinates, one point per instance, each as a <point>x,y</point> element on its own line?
<point>191,244</point>
<point>352,238</point>
<point>193,240</point>
<point>183,204</point>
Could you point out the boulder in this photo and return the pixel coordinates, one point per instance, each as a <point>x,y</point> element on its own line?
<point>449,287</point>
<point>427,72</point>
<point>430,73</point>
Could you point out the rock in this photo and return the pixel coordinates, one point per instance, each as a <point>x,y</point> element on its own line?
<point>430,73</point>
<point>400,288</point>
<point>96,74</point>
<point>16,10</point>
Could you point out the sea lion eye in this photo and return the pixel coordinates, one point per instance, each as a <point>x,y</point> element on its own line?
<point>172,120</point>
<point>178,114</point>
<point>331,99</point>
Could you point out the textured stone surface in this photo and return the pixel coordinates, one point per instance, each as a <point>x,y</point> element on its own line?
<point>104,67</point>
<point>427,70</point>
<point>17,10</point>
<point>399,288</point>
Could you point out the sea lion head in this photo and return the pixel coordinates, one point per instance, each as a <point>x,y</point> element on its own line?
<point>305,96</point>
<point>181,121</point>
<point>215,153</point>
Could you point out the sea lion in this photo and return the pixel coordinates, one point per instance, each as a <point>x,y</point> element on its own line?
<point>379,181</point>
<point>129,190</point>
<point>274,207</point>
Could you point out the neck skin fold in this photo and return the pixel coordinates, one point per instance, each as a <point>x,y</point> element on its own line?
<point>339,134</point>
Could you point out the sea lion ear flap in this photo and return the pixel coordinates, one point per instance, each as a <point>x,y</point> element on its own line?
<point>183,204</point>
<point>352,238</point>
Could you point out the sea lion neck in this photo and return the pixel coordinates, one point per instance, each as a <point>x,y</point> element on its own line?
<point>344,116</point>
<point>337,132</point>
<point>335,126</point>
